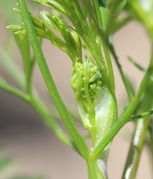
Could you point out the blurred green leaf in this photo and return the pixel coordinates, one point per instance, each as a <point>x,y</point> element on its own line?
<point>11,68</point>
<point>142,11</point>
<point>7,10</point>
<point>4,162</point>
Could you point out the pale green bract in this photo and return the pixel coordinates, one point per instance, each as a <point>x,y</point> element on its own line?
<point>95,102</point>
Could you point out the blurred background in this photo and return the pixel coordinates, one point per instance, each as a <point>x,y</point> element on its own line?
<point>24,138</point>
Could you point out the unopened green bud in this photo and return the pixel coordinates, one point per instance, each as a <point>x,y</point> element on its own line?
<point>96,104</point>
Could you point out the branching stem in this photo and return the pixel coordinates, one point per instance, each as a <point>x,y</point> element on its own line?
<point>126,115</point>
<point>137,143</point>
<point>64,114</point>
<point>136,148</point>
<point>38,105</point>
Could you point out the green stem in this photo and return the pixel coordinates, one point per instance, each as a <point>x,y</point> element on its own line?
<point>64,114</point>
<point>124,78</point>
<point>126,115</point>
<point>24,47</point>
<point>94,170</point>
<point>106,45</point>
<point>14,91</point>
<point>150,148</point>
<point>135,150</point>
<point>28,75</point>
<point>109,67</point>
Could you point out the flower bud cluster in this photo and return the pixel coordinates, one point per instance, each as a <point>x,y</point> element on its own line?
<point>96,104</point>
<point>93,79</point>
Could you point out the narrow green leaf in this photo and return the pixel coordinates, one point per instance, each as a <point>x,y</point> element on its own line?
<point>142,115</point>
<point>138,66</point>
